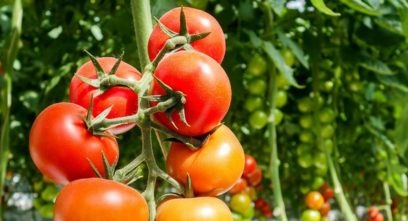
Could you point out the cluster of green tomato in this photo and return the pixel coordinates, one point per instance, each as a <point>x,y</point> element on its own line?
<point>47,192</point>
<point>256,83</point>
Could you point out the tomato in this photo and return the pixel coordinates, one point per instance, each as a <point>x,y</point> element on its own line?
<point>257,65</point>
<point>251,191</point>
<point>123,100</point>
<point>320,160</point>
<point>305,160</point>
<point>326,191</point>
<point>306,136</point>
<point>374,214</point>
<point>206,88</point>
<point>326,115</point>
<point>318,181</point>
<point>249,213</point>
<point>197,208</point>
<point>239,186</point>
<point>327,131</point>
<point>257,86</point>
<point>314,200</point>
<point>306,121</point>
<point>253,103</point>
<point>305,105</point>
<point>325,209</point>
<point>258,119</point>
<point>310,215</point>
<point>250,165</point>
<point>61,145</point>
<point>214,167</point>
<point>240,202</point>
<point>278,116</point>
<point>281,98</point>
<point>288,57</point>
<point>96,199</point>
<point>255,177</point>
<point>198,22</point>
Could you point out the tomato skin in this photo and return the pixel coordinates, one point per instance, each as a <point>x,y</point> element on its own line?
<point>325,209</point>
<point>206,88</point>
<point>310,215</point>
<point>60,144</point>
<point>96,199</point>
<point>124,101</point>
<point>240,202</point>
<point>250,165</point>
<point>239,186</point>
<point>314,200</point>
<point>198,21</point>
<point>255,177</point>
<point>213,168</point>
<point>197,209</point>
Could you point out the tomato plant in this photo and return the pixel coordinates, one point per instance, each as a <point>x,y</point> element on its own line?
<point>198,22</point>
<point>62,147</point>
<point>96,199</point>
<point>197,208</point>
<point>222,152</point>
<point>207,102</point>
<point>123,100</point>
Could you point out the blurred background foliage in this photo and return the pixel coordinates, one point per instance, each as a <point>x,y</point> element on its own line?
<point>342,83</point>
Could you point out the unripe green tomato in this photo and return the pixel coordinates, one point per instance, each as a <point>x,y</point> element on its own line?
<point>46,210</point>
<point>240,202</point>
<point>303,148</point>
<point>320,160</point>
<point>306,121</point>
<point>277,116</point>
<point>237,217</point>
<point>258,119</point>
<point>49,193</point>
<point>305,105</point>
<point>327,144</point>
<point>317,182</point>
<point>281,81</point>
<point>327,131</point>
<point>257,65</point>
<point>355,86</point>
<point>320,171</point>
<point>253,103</point>
<point>326,115</point>
<point>288,57</point>
<point>327,86</point>
<point>306,136</point>
<point>305,160</point>
<point>249,213</point>
<point>257,86</point>
<point>281,98</point>
<point>310,215</point>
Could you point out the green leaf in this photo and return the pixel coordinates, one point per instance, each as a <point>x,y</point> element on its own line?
<point>297,51</point>
<point>404,20</point>
<point>394,81</point>
<point>397,180</point>
<point>361,6</point>
<point>279,62</point>
<point>278,6</point>
<point>376,66</point>
<point>321,6</point>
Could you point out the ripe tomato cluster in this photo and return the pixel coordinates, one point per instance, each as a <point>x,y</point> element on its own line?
<point>373,214</point>
<point>243,198</point>
<point>184,92</point>
<point>318,204</point>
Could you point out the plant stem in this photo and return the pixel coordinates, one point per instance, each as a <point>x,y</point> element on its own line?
<point>142,22</point>
<point>388,201</point>
<point>274,160</point>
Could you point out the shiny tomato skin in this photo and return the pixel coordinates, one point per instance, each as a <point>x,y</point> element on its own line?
<point>213,168</point>
<point>194,209</point>
<point>206,87</point>
<point>314,200</point>
<point>96,199</point>
<point>61,145</point>
<point>124,101</point>
<point>239,186</point>
<point>198,21</point>
<point>250,165</point>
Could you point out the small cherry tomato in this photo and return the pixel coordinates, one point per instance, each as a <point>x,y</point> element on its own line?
<point>258,119</point>
<point>325,209</point>
<point>239,186</point>
<point>314,200</point>
<point>240,202</point>
<point>257,65</point>
<point>255,177</point>
<point>250,165</point>
<point>310,215</point>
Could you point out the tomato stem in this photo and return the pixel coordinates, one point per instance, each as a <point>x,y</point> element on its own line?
<point>142,24</point>
<point>274,158</point>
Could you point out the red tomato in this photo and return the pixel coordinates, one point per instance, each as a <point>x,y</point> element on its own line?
<point>198,21</point>
<point>96,199</point>
<point>197,208</point>
<point>250,165</point>
<point>206,88</point>
<point>314,200</point>
<point>61,145</point>
<point>255,177</point>
<point>123,100</point>
<point>327,191</point>
<point>239,186</point>
<point>325,209</point>
<point>213,168</point>
<point>372,212</point>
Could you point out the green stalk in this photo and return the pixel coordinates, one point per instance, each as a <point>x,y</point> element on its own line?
<point>388,201</point>
<point>274,159</point>
<point>142,22</point>
<point>8,56</point>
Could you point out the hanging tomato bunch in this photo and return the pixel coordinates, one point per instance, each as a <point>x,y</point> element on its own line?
<point>183,93</point>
